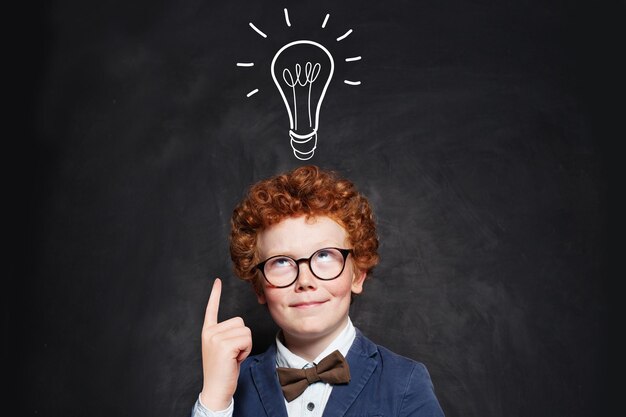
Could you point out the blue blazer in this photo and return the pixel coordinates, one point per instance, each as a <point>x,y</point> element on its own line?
<point>382,384</point>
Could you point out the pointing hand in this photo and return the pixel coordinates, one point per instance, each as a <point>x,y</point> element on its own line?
<point>224,346</point>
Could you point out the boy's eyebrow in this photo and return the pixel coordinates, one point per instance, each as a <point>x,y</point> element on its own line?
<point>292,254</point>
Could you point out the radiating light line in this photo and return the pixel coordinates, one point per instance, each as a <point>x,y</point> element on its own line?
<point>287,17</point>
<point>352,82</point>
<point>257,30</point>
<point>325,20</point>
<point>354,58</point>
<point>253,92</point>
<point>345,35</point>
<point>245,64</point>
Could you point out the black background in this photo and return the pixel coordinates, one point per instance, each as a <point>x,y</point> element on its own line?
<point>482,133</point>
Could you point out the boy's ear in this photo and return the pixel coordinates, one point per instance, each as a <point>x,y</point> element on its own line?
<point>358,277</point>
<point>260,296</point>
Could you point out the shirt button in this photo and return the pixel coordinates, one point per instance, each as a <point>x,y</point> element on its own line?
<point>310,406</point>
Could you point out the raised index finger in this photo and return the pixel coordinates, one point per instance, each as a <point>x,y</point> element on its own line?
<point>210,317</point>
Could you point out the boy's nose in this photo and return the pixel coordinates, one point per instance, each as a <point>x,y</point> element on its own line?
<point>306,279</point>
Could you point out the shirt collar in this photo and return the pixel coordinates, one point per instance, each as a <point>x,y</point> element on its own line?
<point>285,358</point>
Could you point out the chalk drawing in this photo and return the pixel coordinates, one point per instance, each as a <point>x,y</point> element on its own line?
<point>302,71</point>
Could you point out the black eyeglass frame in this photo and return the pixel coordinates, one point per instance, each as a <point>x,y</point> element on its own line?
<point>261,265</point>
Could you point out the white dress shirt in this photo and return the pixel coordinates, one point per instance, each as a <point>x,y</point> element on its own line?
<point>313,400</point>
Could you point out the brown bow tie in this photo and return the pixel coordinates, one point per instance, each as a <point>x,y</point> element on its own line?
<point>333,369</point>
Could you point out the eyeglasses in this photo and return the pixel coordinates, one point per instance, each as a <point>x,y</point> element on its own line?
<point>326,264</point>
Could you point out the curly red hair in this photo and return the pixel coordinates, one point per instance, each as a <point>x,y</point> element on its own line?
<point>308,191</point>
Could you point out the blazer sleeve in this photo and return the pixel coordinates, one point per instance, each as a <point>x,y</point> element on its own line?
<point>419,398</point>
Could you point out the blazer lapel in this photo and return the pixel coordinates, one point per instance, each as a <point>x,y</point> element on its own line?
<point>362,360</point>
<point>267,385</point>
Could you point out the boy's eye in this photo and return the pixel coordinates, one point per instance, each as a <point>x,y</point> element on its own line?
<point>323,254</point>
<point>327,255</point>
<point>280,262</point>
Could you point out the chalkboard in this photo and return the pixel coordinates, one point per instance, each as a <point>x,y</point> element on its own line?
<point>480,131</point>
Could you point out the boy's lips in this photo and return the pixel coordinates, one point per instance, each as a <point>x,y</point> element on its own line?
<point>307,304</point>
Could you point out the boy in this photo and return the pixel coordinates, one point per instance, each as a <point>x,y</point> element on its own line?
<point>306,241</point>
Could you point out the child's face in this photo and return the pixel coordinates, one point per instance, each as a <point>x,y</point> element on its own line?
<point>310,309</point>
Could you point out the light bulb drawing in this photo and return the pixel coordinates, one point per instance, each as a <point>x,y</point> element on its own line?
<point>296,90</point>
<point>302,70</point>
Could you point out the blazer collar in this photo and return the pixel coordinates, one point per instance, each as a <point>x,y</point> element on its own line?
<point>362,360</point>
<point>267,385</point>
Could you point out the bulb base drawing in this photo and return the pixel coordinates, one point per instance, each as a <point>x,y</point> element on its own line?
<point>303,145</point>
